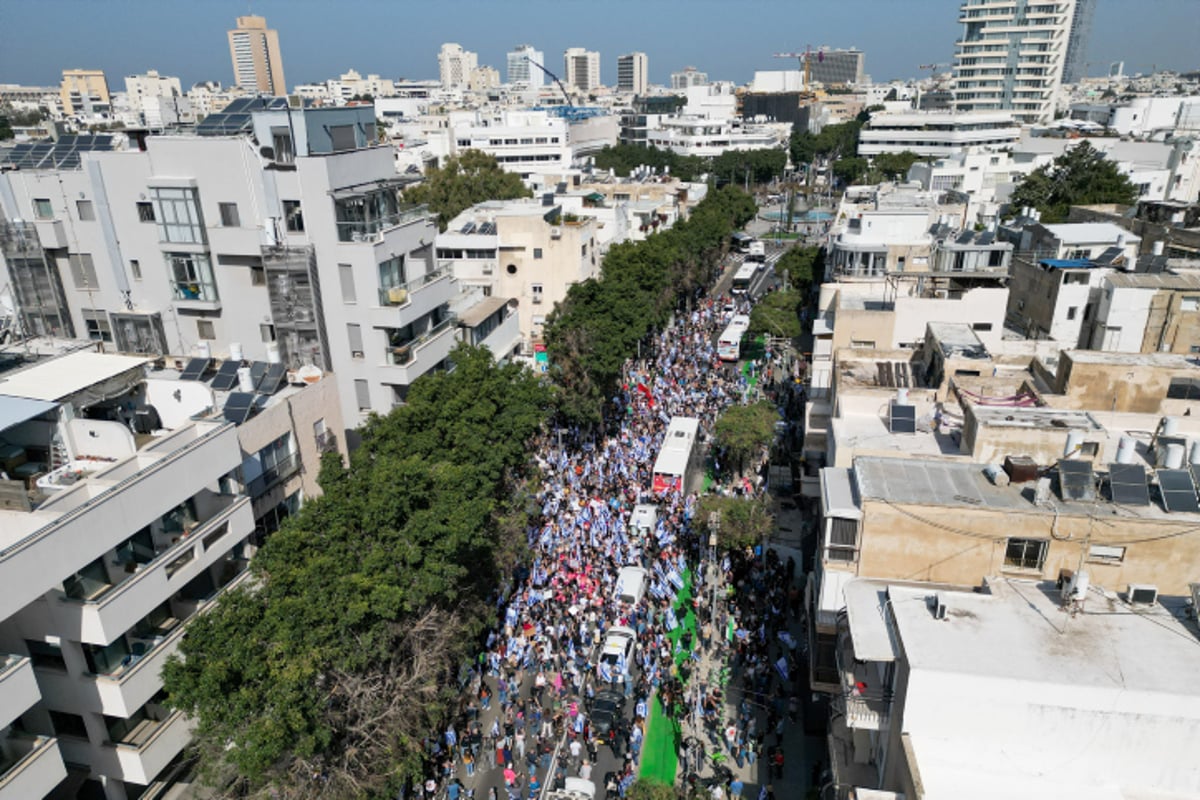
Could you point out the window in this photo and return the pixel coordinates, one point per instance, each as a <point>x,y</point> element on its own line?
<point>293,216</point>
<point>135,267</point>
<point>258,275</point>
<point>1072,311</point>
<point>83,271</point>
<point>354,334</point>
<point>88,582</point>
<point>863,343</point>
<point>342,137</point>
<point>1189,303</point>
<point>205,329</point>
<point>45,654</point>
<point>843,539</point>
<point>281,142</point>
<point>229,215</point>
<point>178,215</point>
<point>68,724</point>
<point>346,275</point>
<point>85,210</point>
<point>391,274</point>
<point>981,326</point>
<point>1025,553</point>
<point>536,289</point>
<point>511,269</point>
<point>191,277</point>
<point>42,208</point>
<point>145,212</point>
<point>96,323</point>
<point>267,332</point>
<point>1106,554</point>
<point>362,394</point>
<point>537,252</point>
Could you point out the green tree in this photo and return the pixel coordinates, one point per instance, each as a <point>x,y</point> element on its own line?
<point>1080,176</point>
<point>803,266</point>
<point>742,522</point>
<point>465,180</point>
<point>777,314</point>
<point>647,789</point>
<point>850,170</point>
<point>742,431</point>
<point>335,658</point>
<point>895,166</point>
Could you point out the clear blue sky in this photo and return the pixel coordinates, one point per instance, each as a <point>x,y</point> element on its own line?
<point>398,38</point>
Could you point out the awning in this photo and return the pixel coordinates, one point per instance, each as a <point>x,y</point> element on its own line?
<point>15,410</point>
<point>866,604</point>
<point>476,314</point>
<point>62,377</point>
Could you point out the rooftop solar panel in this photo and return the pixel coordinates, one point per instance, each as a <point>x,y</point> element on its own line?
<point>238,407</point>
<point>1127,484</point>
<point>1075,480</point>
<point>257,370</point>
<point>1178,491</point>
<point>903,418</point>
<point>195,368</point>
<point>226,377</point>
<point>271,382</point>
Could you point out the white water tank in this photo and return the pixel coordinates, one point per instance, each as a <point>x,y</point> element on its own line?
<point>1174,459</point>
<point>203,350</point>
<point>1194,457</point>
<point>1126,450</point>
<point>273,356</point>
<point>901,397</point>
<point>1170,426</point>
<point>1074,444</point>
<point>245,382</point>
<point>235,351</point>
<point>1157,248</point>
<point>1077,589</point>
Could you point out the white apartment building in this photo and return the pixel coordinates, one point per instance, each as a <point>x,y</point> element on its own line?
<point>294,239</point>
<point>987,178</point>
<point>1011,56</point>
<point>520,71</point>
<point>581,69</point>
<point>701,136</point>
<point>528,252</point>
<point>455,66</point>
<point>150,84</point>
<point>633,73</point>
<point>129,502</point>
<point>688,77</point>
<point>523,142</point>
<point>937,133</point>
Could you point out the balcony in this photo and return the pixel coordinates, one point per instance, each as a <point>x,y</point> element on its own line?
<point>866,708</point>
<point>107,613</point>
<point>147,747</point>
<point>371,229</point>
<point>405,304</point>
<point>273,476</point>
<point>30,766</point>
<point>18,688</point>
<point>93,516</point>
<point>417,356</point>
<point>850,759</point>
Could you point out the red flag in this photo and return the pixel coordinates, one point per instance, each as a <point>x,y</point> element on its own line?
<point>641,387</point>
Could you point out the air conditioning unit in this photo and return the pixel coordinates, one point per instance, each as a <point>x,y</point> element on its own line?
<point>556,233</point>
<point>1142,594</point>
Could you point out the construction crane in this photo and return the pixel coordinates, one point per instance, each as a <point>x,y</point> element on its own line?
<point>554,77</point>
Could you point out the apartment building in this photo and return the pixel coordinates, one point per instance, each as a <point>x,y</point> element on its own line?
<point>633,73</point>
<point>581,69</point>
<point>455,66</point>
<point>709,137</point>
<point>1149,312</point>
<point>836,67</point>
<point>526,251</point>
<point>257,63</point>
<point>687,78</point>
<point>520,71</point>
<point>1011,56</point>
<point>937,133</point>
<point>524,142</point>
<point>271,228</point>
<point>919,666</point>
<point>133,495</point>
<point>84,94</point>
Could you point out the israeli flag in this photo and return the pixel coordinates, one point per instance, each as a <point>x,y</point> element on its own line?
<point>605,672</point>
<point>622,667</point>
<point>671,621</point>
<point>675,579</point>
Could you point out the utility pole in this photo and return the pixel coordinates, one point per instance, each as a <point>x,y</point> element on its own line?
<point>714,526</point>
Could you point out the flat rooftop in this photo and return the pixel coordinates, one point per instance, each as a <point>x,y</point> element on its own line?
<point>1035,418</point>
<point>1091,232</point>
<point>59,378</point>
<point>957,340</point>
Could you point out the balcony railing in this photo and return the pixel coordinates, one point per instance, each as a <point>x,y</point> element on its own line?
<point>403,354</point>
<point>368,230</point>
<point>326,442</point>
<point>401,295</point>
<point>273,476</point>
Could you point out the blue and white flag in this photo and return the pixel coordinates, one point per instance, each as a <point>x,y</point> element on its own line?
<point>605,672</point>
<point>782,668</point>
<point>671,622</point>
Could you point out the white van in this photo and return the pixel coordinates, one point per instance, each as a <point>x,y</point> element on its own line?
<point>631,585</point>
<point>644,519</point>
<point>618,650</point>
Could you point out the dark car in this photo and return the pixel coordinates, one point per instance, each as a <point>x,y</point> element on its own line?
<point>608,712</point>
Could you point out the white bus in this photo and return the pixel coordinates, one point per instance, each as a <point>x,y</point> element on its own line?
<point>741,242</point>
<point>675,455</point>
<point>750,279</point>
<point>729,343</point>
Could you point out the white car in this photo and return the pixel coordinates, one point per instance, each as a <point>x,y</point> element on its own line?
<point>617,650</point>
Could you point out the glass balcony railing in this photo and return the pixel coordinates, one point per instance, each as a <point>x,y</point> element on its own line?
<point>402,294</point>
<point>366,230</point>
<point>273,476</point>
<point>404,353</point>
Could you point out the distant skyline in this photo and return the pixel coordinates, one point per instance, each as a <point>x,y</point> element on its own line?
<point>728,40</point>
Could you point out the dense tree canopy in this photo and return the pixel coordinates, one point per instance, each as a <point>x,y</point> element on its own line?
<point>1080,176</point>
<point>833,142</point>
<point>777,314</point>
<point>341,657</point>
<point>741,431</point>
<point>601,321</point>
<point>749,166</point>
<point>465,180</point>
<point>742,522</point>
<point>803,266</point>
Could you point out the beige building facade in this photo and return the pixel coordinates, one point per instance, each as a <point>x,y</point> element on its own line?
<point>257,64</point>
<point>85,92</point>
